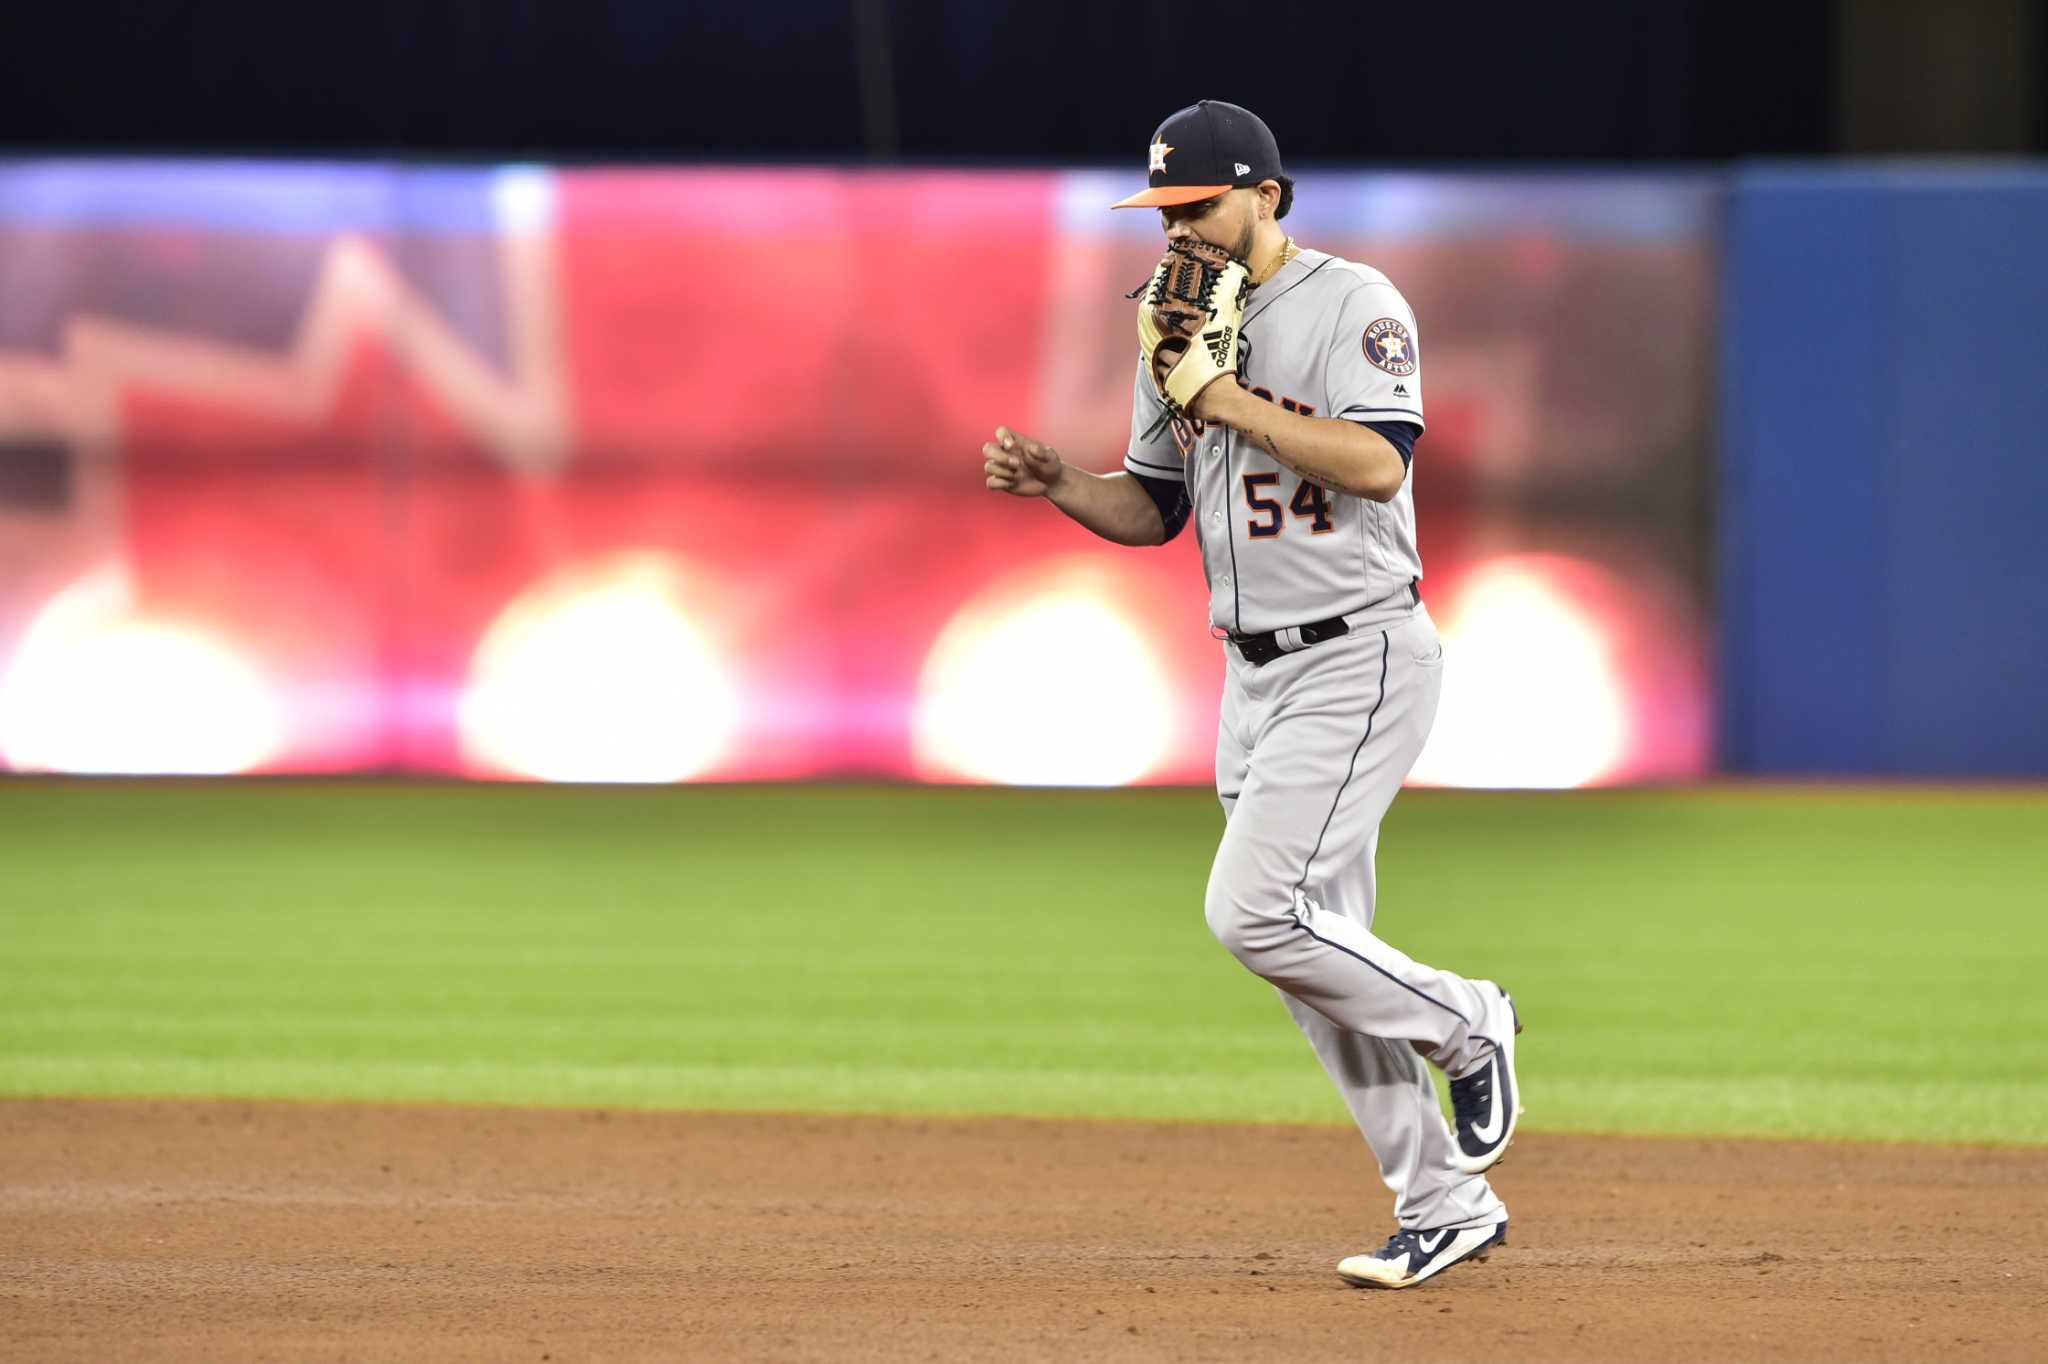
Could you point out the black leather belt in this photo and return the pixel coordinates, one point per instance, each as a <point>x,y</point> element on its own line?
<point>1259,650</point>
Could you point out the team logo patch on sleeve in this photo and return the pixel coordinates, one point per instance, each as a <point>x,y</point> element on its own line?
<point>1388,345</point>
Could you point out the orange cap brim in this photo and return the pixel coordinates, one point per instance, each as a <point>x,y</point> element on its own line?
<point>1166,196</point>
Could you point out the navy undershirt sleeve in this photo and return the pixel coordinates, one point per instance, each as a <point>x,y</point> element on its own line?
<point>1400,435</point>
<point>1171,497</point>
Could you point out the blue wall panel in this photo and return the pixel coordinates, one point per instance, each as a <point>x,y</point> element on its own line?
<point>1885,476</point>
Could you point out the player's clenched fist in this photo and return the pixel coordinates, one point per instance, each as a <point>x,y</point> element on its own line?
<point>1020,465</point>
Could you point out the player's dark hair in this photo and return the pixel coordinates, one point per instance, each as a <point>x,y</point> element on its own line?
<point>1286,196</point>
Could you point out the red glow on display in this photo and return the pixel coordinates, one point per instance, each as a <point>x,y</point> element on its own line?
<point>549,501</point>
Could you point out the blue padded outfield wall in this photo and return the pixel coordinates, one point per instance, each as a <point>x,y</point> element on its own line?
<point>1884,500</point>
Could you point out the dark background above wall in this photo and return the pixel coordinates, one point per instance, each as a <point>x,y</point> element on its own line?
<point>1054,80</point>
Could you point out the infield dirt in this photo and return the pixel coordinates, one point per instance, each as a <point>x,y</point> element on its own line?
<point>242,1231</point>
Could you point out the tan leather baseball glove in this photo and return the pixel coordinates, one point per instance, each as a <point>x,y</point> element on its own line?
<point>1189,318</point>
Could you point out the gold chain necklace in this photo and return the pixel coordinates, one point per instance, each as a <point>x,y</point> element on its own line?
<point>1288,251</point>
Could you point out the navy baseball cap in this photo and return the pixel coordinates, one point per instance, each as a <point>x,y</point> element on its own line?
<point>1203,150</point>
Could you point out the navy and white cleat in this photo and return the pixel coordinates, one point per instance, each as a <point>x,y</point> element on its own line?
<point>1409,1257</point>
<point>1487,1101</point>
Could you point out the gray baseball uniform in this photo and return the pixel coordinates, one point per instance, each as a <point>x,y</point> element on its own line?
<point>1313,745</point>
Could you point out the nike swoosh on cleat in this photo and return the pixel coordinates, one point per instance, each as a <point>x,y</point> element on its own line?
<point>1488,1130</point>
<point>1424,1241</point>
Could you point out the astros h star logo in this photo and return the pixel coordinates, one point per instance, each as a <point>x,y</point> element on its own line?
<point>1388,345</point>
<point>1160,151</point>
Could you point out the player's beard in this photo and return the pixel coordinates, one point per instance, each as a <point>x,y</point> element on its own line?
<point>1242,248</point>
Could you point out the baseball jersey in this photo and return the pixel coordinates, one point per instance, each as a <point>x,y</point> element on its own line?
<point>1326,337</point>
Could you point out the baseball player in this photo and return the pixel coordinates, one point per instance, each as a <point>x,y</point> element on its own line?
<point>1282,423</point>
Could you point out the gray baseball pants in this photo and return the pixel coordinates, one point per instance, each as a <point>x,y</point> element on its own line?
<point>1311,749</point>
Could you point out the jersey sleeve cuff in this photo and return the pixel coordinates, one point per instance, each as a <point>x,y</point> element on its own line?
<point>1172,472</point>
<point>1382,414</point>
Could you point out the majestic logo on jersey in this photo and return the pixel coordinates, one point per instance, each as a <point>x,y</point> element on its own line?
<point>1388,345</point>
<point>1218,343</point>
<point>1160,151</point>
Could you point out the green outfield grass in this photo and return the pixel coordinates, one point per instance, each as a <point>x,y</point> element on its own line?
<point>1855,963</point>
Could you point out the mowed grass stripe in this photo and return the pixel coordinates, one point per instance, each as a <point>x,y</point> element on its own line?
<point>1812,962</point>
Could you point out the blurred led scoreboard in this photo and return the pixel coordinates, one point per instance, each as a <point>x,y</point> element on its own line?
<point>663,475</point>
